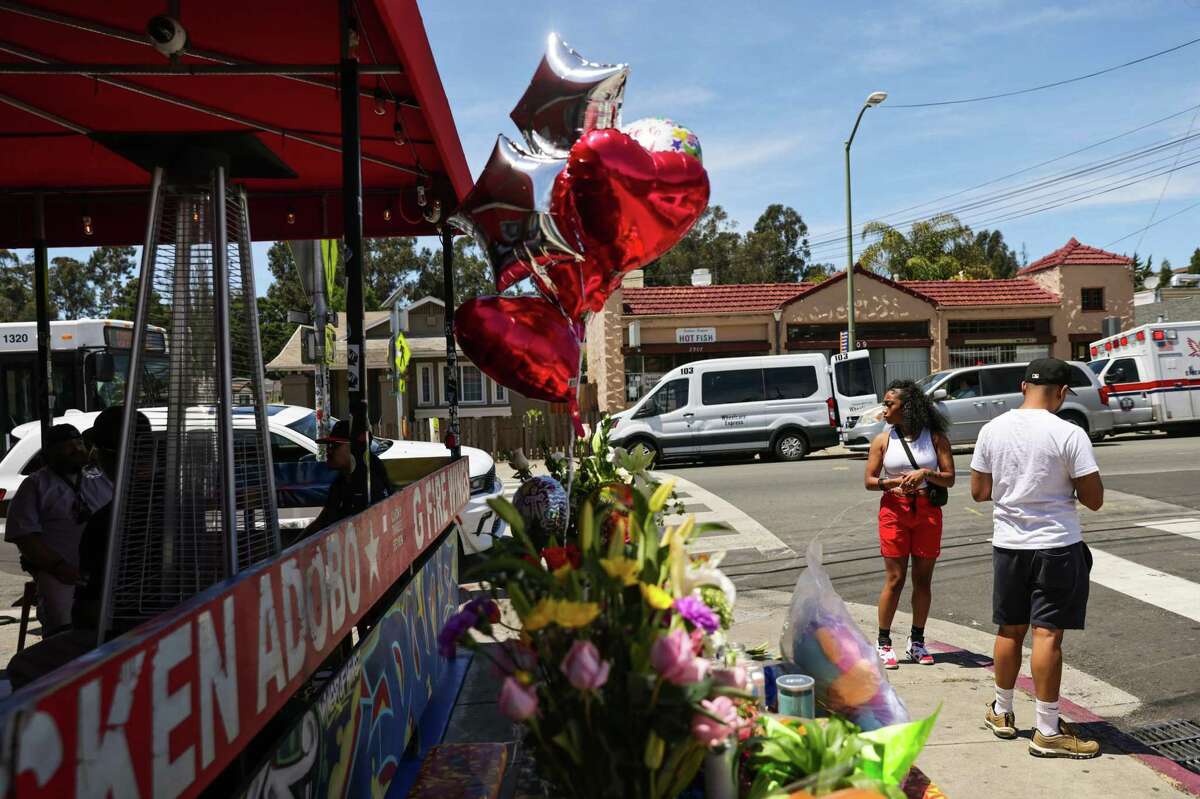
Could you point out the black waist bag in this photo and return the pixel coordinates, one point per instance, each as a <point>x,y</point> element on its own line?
<point>938,495</point>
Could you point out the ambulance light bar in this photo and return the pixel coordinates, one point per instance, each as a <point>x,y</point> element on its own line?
<point>1095,351</point>
<point>1160,335</point>
<point>1141,335</point>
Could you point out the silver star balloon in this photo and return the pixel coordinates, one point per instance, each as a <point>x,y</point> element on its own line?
<point>567,97</point>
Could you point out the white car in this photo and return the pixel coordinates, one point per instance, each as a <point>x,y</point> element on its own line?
<point>301,481</point>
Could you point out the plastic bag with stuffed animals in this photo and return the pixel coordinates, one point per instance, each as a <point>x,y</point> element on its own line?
<point>821,638</point>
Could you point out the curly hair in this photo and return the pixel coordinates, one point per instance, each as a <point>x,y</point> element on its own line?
<point>919,412</point>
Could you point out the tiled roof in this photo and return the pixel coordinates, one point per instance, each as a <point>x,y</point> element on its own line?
<point>738,298</point>
<point>1073,253</point>
<point>1019,291</point>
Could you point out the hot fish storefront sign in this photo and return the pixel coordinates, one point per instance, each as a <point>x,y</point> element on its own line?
<point>163,710</point>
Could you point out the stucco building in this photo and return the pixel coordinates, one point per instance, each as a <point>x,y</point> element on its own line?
<point>1055,306</point>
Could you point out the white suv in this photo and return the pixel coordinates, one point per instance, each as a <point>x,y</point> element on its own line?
<point>301,481</point>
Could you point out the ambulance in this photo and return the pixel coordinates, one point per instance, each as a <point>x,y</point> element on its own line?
<point>1152,374</point>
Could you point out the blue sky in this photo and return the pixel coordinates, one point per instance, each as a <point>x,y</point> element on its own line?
<point>772,89</point>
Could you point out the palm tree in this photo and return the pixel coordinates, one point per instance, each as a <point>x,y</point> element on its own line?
<point>938,248</point>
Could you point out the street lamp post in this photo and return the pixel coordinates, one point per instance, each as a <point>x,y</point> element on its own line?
<point>873,100</point>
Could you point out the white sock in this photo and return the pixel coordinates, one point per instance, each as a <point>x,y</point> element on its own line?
<point>1047,717</point>
<point>1004,701</point>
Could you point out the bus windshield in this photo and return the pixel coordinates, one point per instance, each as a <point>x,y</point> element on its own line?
<point>154,381</point>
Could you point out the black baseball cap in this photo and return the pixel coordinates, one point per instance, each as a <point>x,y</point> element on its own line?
<point>1049,372</point>
<point>61,433</point>
<point>338,434</point>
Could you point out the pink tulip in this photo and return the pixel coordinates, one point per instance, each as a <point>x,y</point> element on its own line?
<point>708,730</point>
<point>584,668</point>
<point>517,702</point>
<point>672,657</point>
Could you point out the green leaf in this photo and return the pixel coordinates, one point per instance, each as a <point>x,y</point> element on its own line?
<point>587,527</point>
<point>659,498</point>
<point>505,510</point>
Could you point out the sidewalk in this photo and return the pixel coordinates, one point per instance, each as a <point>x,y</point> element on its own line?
<point>962,756</point>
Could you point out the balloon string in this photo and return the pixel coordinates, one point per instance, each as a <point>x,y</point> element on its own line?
<point>571,437</point>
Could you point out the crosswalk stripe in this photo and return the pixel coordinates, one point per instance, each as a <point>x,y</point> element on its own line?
<point>1189,528</point>
<point>1154,587</point>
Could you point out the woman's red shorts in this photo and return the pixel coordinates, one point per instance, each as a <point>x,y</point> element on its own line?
<point>909,526</point>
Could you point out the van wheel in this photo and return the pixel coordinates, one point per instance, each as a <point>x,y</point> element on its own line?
<point>790,445</point>
<point>1076,420</point>
<point>649,446</point>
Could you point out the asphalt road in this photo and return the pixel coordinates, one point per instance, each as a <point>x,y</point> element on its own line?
<point>1131,641</point>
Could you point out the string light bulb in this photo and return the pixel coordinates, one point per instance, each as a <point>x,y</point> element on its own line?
<point>88,229</point>
<point>387,213</point>
<point>195,214</point>
<point>398,134</point>
<point>291,216</point>
<point>379,101</point>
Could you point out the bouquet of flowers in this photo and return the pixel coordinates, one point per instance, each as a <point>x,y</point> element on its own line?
<point>610,674</point>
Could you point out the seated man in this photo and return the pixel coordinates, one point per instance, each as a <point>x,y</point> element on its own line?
<point>338,457</point>
<point>47,517</point>
<point>963,387</point>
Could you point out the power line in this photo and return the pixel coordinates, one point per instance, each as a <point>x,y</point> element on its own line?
<point>1045,85</point>
<point>841,232</point>
<point>1163,193</point>
<point>1153,224</point>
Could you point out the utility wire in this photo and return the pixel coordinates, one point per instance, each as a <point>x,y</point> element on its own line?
<point>1004,201</point>
<point>1153,224</point>
<point>841,232</point>
<point>1163,193</point>
<point>1045,85</point>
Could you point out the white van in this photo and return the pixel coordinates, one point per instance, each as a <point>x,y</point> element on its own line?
<point>1152,373</point>
<point>783,405</point>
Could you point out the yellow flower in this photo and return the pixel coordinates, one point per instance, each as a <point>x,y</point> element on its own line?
<point>575,614</point>
<point>561,572</point>
<point>656,597</point>
<point>543,613</point>
<point>623,569</point>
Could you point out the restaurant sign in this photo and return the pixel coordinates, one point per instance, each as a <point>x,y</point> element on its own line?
<point>695,335</point>
<point>162,710</point>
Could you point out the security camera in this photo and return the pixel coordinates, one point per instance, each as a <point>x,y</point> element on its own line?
<point>166,34</point>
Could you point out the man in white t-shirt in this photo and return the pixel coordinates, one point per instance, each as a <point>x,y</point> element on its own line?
<point>1035,466</point>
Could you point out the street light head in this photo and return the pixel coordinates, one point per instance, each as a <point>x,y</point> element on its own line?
<point>876,98</point>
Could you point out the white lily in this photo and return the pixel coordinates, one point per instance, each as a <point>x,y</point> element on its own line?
<point>707,573</point>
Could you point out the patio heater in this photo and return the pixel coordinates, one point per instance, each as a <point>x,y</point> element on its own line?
<point>194,501</point>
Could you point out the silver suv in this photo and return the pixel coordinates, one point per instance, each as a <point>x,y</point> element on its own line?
<point>970,397</point>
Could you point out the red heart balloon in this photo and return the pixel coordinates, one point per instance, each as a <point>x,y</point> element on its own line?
<point>626,205</point>
<point>523,343</point>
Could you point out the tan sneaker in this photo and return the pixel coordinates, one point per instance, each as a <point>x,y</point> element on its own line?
<point>1002,726</point>
<point>1066,744</point>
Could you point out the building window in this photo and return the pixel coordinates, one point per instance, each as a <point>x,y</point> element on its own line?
<point>1013,327</point>
<point>499,394</point>
<point>470,385</point>
<point>1092,299</point>
<point>803,333</point>
<point>425,384</point>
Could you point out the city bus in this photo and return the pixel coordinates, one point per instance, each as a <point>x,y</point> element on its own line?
<point>89,364</point>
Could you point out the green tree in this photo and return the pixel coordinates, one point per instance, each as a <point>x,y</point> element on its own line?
<point>1165,273</point>
<point>776,250</point>
<point>1194,264</point>
<point>1139,270</point>
<point>109,270</point>
<point>127,303</point>
<point>939,248</point>
<point>16,289</point>
<point>472,273</point>
<point>713,243</point>
<point>72,292</point>
<point>1001,261</point>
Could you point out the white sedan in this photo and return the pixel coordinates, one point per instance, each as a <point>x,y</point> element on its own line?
<point>301,480</point>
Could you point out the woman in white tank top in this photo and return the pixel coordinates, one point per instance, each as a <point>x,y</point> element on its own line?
<point>909,525</point>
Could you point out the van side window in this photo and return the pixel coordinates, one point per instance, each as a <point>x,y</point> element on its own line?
<point>964,385</point>
<point>671,397</point>
<point>792,382</point>
<point>735,385</point>
<point>1080,379</point>
<point>1124,370</point>
<point>1005,380</point>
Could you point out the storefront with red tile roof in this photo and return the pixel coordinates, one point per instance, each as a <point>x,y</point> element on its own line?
<point>1054,306</point>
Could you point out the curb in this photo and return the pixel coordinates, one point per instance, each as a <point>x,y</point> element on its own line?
<point>1172,771</point>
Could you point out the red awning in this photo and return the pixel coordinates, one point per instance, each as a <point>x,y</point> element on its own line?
<point>48,123</point>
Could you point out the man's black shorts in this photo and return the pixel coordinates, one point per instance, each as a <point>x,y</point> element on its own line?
<point>1042,587</point>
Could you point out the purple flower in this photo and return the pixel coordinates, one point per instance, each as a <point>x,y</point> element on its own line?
<point>456,627</point>
<point>693,609</point>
